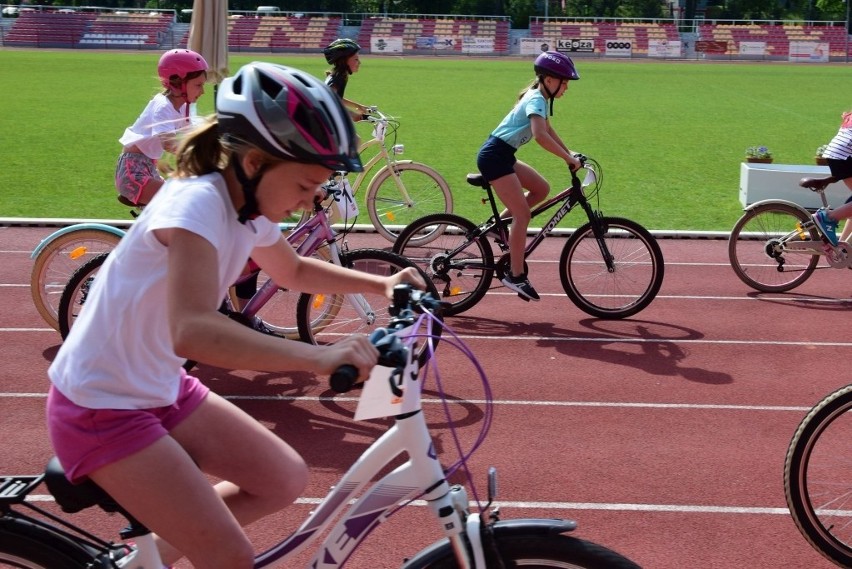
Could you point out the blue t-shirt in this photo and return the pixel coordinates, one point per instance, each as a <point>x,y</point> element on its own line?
<point>516,128</point>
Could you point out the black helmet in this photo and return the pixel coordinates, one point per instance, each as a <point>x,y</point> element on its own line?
<point>340,49</point>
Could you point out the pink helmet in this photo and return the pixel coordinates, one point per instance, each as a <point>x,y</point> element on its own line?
<point>180,62</point>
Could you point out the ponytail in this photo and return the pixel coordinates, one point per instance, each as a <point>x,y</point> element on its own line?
<point>201,151</point>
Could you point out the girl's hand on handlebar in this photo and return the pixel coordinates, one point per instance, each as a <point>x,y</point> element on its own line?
<point>407,275</point>
<point>574,162</point>
<point>355,350</point>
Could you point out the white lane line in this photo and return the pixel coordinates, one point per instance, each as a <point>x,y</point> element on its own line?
<point>615,507</point>
<point>606,339</point>
<point>519,403</point>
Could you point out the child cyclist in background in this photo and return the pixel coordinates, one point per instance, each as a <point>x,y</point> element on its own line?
<point>342,55</point>
<point>121,410</point>
<point>839,155</point>
<point>182,73</point>
<point>509,176</point>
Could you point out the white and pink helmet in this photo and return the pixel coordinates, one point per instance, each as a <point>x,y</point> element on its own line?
<point>289,114</point>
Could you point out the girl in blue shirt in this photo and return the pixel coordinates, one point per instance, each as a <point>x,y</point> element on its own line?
<point>509,176</point>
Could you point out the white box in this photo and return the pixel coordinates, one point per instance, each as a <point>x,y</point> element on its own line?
<point>781,181</point>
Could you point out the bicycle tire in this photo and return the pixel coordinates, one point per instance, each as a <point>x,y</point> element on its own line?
<point>426,188</point>
<point>463,277</point>
<point>754,250</point>
<point>75,293</point>
<point>326,318</point>
<point>536,551</point>
<point>27,545</point>
<point>626,290</point>
<point>817,477</point>
<point>58,261</point>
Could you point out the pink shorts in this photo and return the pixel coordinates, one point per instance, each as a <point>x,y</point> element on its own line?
<point>87,439</point>
<point>132,172</point>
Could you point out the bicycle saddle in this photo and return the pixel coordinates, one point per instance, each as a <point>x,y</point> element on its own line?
<point>73,498</point>
<point>477,180</point>
<point>817,184</point>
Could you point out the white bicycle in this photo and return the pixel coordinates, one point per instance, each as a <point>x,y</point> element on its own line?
<point>359,501</point>
<point>400,191</point>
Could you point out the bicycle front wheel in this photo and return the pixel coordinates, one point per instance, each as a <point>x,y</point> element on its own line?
<point>26,545</point>
<point>460,266</point>
<point>403,192</point>
<point>818,477</point>
<point>625,286</point>
<point>76,293</point>
<point>326,318</point>
<point>58,261</point>
<point>758,249</point>
<point>533,550</point>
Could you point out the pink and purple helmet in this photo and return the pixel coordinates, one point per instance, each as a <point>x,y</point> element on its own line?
<point>289,114</point>
<point>180,62</point>
<point>555,64</point>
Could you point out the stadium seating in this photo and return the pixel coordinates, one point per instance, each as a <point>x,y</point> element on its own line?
<point>776,36</point>
<point>638,33</point>
<point>51,29</point>
<point>410,29</point>
<point>127,30</point>
<point>273,33</point>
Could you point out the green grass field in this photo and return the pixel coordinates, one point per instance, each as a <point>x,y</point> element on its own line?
<point>669,135</point>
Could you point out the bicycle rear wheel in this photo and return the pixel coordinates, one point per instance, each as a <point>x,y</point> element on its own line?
<point>631,284</point>
<point>58,261</point>
<point>757,248</point>
<point>390,211</point>
<point>26,545</point>
<point>460,266</point>
<point>326,318</point>
<point>818,477</point>
<point>76,292</point>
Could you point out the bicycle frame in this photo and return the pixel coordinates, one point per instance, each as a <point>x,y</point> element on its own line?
<point>797,241</point>
<point>389,158</point>
<point>569,197</point>
<point>307,238</point>
<point>409,435</point>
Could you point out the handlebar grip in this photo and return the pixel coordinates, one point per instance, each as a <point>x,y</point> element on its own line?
<point>343,379</point>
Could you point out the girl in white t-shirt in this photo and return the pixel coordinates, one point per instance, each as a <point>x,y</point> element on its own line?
<point>121,411</point>
<point>183,74</point>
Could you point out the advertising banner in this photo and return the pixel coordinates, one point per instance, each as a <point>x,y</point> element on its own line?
<point>534,46</point>
<point>808,51</point>
<point>753,48</point>
<point>619,48</point>
<point>385,44</point>
<point>705,46</point>
<point>663,48</point>
<point>434,43</point>
<point>473,44</point>
<point>576,45</point>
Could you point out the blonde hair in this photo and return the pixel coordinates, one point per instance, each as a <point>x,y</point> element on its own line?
<point>532,85</point>
<point>203,151</point>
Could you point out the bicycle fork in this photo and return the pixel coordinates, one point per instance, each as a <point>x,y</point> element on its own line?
<point>599,230</point>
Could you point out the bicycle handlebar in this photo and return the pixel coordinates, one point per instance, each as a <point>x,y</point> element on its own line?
<point>407,303</point>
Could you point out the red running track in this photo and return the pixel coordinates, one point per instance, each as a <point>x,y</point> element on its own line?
<point>663,435</point>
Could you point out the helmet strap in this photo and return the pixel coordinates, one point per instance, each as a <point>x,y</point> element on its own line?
<point>550,95</point>
<point>249,209</point>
